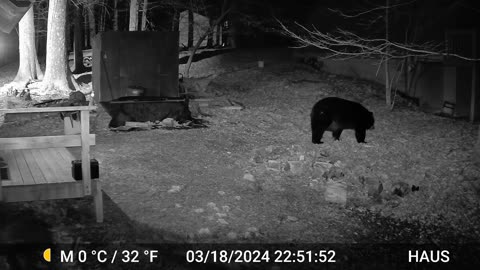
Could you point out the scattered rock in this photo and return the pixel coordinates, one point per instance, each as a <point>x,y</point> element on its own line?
<point>292,219</point>
<point>249,177</point>
<point>175,189</point>
<point>212,205</point>
<point>257,159</point>
<point>274,165</point>
<point>199,210</point>
<point>204,231</point>
<point>232,236</point>
<point>338,163</point>
<point>373,187</point>
<point>269,149</point>
<point>336,192</point>
<point>320,168</point>
<point>168,122</point>
<point>334,172</point>
<point>296,167</point>
<point>222,221</point>
<point>402,189</point>
<point>316,184</point>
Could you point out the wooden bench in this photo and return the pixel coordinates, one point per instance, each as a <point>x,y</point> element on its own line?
<point>39,168</point>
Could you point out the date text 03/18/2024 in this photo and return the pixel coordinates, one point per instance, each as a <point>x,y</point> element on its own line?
<point>239,256</point>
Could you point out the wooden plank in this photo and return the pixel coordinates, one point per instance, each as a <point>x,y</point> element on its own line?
<point>145,101</point>
<point>15,176</point>
<point>84,130</point>
<point>49,109</point>
<point>66,155</point>
<point>27,177</point>
<point>37,174</point>
<point>49,174</point>
<point>44,192</point>
<point>62,166</point>
<point>53,164</point>
<point>44,142</point>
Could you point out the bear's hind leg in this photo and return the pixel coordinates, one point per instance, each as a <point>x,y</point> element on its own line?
<point>360,134</point>
<point>336,134</point>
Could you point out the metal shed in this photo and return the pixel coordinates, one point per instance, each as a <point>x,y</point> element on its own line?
<point>141,59</point>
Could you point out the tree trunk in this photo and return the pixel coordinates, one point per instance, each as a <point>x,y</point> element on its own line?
<point>133,25</point>
<point>210,36</point>
<point>91,23</point>
<point>190,27</point>
<point>101,25</point>
<point>176,21</point>
<point>55,80</point>
<point>77,42</point>
<point>233,26</point>
<point>144,15</point>
<point>29,67</point>
<point>115,15</point>
<point>86,36</point>
<point>219,35</point>
<point>388,88</point>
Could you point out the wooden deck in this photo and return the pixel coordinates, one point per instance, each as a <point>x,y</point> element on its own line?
<point>39,168</point>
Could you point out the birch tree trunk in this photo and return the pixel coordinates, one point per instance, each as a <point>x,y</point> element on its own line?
<point>55,80</point>
<point>133,25</point>
<point>115,15</point>
<point>29,67</point>
<point>144,15</point>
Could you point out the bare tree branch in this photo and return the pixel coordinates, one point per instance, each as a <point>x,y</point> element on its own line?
<point>345,44</point>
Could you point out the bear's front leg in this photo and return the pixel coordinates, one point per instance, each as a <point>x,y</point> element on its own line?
<point>317,134</point>
<point>360,135</point>
<point>336,134</point>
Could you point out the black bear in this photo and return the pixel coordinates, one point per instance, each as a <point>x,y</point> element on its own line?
<point>336,114</point>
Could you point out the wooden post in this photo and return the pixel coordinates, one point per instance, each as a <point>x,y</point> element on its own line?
<point>84,132</point>
<point>98,201</point>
